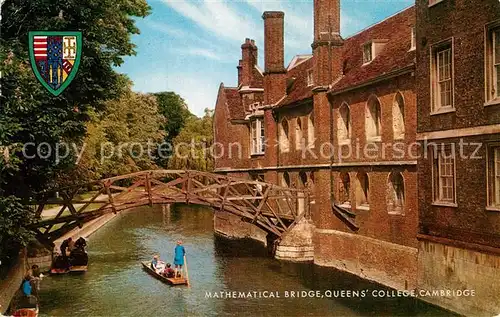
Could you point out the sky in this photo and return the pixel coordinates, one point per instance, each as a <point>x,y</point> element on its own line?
<point>191,46</point>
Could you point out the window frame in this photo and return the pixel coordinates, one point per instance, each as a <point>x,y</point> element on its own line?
<point>492,86</point>
<point>364,190</point>
<point>399,135</point>
<point>346,126</point>
<point>391,208</point>
<point>364,47</point>
<point>413,41</point>
<point>436,93</point>
<point>493,176</point>
<point>375,122</point>
<point>437,176</point>
<point>310,78</point>
<point>284,141</point>
<point>257,136</point>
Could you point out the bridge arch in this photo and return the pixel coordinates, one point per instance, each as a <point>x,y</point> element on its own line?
<point>273,208</point>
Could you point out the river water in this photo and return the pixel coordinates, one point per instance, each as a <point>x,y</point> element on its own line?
<point>115,284</point>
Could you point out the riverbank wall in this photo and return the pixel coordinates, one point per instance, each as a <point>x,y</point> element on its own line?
<point>10,285</point>
<point>231,227</point>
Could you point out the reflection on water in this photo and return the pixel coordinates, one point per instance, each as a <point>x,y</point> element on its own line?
<point>115,284</point>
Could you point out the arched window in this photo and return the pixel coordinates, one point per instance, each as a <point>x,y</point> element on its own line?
<point>285,181</point>
<point>398,116</point>
<point>298,133</point>
<point>373,124</point>
<point>284,136</point>
<point>344,190</point>
<point>344,124</point>
<point>362,191</point>
<point>303,179</point>
<point>395,193</point>
<point>310,130</point>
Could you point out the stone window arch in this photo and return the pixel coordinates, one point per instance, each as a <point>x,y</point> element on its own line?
<point>299,134</point>
<point>395,193</point>
<point>344,190</point>
<point>310,130</point>
<point>373,119</point>
<point>398,116</point>
<point>303,179</point>
<point>362,191</point>
<point>344,124</point>
<point>284,136</point>
<point>285,180</point>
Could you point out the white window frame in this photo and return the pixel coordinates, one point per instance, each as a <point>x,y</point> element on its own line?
<point>373,124</point>
<point>368,47</point>
<point>492,66</point>
<point>437,52</point>
<point>413,43</point>
<point>363,190</point>
<point>493,176</point>
<point>344,128</point>
<point>284,137</point>
<point>444,158</point>
<point>257,136</point>
<point>310,78</point>
<point>310,131</point>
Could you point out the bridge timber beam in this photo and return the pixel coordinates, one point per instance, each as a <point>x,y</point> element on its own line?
<point>273,208</point>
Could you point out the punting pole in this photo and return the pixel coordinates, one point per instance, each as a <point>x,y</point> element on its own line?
<point>187,273</point>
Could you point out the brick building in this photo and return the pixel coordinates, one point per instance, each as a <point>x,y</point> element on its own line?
<point>344,121</point>
<point>458,97</point>
<point>296,126</point>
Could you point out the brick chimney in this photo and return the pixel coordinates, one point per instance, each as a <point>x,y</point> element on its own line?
<point>327,42</point>
<point>248,62</point>
<point>274,41</point>
<point>274,56</point>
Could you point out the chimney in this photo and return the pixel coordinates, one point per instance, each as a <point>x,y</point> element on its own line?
<point>327,42</point>
<point>274,43</point>
<point>274,57</point>
<point>326,19</point>
<point>248,62</point>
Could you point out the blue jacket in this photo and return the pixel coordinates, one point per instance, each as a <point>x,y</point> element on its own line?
<point>26,288</point>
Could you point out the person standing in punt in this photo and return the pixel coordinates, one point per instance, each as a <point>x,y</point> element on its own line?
<point>179,254</point>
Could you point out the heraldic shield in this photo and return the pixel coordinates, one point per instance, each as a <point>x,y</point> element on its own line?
<point>55,58</point>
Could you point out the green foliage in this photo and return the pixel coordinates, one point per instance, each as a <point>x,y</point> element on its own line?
<point>116,137</point>
<point>28,113</point>
<point>13,215</point>
<point>175,111</point>
<point>192,145</point>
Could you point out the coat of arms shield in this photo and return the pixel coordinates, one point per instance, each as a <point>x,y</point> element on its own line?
<point>55,58</point>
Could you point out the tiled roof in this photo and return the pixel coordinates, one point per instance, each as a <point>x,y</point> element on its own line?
<point>395,54</point>
<point>234,104</point>
<point>298,90</point>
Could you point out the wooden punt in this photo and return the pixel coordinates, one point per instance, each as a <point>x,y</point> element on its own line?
<point>26,312</point>
<point>171,281</point>
<point>78,269</point>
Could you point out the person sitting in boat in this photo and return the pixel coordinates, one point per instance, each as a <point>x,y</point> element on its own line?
<point>179,254</point>
<point>64,246</point>
<point>80,244</point>
<point>168,272</point>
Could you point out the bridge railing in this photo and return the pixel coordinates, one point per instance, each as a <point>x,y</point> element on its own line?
<point>274,208</point>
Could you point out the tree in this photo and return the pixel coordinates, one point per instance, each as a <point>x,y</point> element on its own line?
<point>175,111</point>
<point>120,140</point>
<point>30,114</point>
<point>192,147</point>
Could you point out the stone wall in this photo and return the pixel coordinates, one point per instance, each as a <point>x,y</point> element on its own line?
<point>386,263</point>
<point>11,284</point>
<point>452,268</point>
<point>231,227</point>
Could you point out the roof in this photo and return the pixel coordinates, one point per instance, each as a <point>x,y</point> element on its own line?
<point>234,104</point>
<point>394,55</point>
<point>297,77</point>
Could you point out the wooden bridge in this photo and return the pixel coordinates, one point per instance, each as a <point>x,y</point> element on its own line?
<point>273,208</point>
